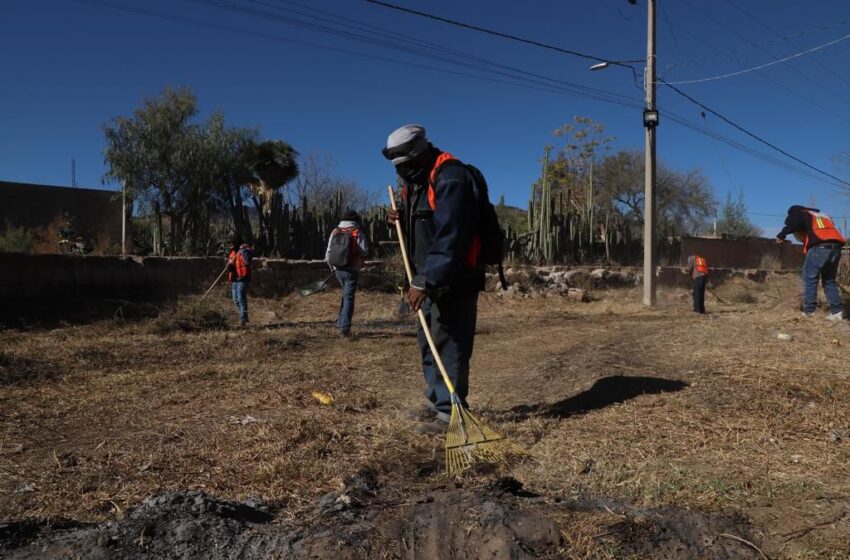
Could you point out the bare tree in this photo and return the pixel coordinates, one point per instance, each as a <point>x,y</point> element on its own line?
<point>319,187</point>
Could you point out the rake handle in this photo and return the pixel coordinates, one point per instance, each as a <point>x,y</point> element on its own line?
<point>422,320</point>
<point>216,282</point>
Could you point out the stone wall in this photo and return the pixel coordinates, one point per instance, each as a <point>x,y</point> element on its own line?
<point>138,278</point>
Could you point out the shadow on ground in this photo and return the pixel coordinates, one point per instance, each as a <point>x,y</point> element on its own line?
<point>604,392</point>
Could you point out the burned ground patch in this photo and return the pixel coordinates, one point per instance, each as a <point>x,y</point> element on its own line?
<point>499,520</point>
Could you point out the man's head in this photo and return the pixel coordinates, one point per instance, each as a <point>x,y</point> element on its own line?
<point>797,208</point>
<point>410,152</point>
<point>350,215</point>
<point>235,241</point>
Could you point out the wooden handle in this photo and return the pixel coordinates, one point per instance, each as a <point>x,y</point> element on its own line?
<point>214,283</point>
<point>422,320</point>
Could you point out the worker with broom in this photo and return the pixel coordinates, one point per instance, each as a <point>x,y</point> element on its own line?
<point>822,244</point>
<point>439,215</point>
<point>239,275</point>
<point>348,246</point>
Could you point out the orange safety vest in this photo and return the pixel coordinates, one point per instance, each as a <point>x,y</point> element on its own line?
<point>700,265</point>
<point>240,267</point>
<point>471,257</point>
<point>823,228</point>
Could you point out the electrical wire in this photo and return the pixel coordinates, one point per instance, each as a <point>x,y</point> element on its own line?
<point>752,135</point>
<point>545,87</point>
<point>785,40</point>
<point>765,65</point>
<point>710,17</point>
<point>495,33</point>
<point>722,55</point>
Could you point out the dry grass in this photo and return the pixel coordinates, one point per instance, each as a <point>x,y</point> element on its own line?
<point>654,407</point>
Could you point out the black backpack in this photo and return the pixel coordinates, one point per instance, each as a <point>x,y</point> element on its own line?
<point>489,231</point>
<point>339,248</point>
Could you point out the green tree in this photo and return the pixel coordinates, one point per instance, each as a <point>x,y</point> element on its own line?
<point>733,218</point>
<point>224,151</point>
<point>684,198</point>
<point>154,154</point>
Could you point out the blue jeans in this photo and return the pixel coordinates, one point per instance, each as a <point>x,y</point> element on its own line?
<point>452,322</point>
<point>821,263</point>
<point>239,291</point>
<point>348,281</point>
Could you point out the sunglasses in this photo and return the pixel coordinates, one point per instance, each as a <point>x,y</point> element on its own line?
<point>408,149</point>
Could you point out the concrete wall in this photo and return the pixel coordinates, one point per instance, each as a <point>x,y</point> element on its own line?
<point>138,278</point>
<point>742,253</point>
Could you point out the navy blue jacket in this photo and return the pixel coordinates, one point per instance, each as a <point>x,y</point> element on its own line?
<point>439,241</point>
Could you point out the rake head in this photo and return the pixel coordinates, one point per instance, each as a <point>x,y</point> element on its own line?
<point>468,440</point>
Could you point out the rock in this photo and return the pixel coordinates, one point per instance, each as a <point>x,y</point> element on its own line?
<point>784,336</point>
<point>575,294</point>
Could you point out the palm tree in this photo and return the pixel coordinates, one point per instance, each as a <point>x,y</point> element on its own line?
<point>269,166</point>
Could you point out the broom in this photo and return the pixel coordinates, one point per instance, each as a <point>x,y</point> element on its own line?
<point>467,439</point>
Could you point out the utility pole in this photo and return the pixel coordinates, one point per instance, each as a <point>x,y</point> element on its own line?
<point>650,122</point>
<point>123,218</point>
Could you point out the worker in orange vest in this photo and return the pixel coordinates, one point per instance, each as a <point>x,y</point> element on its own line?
<point>239,275</point>
<point>822,244</point>
<point>698,269</point>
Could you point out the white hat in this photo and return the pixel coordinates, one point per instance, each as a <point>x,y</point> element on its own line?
<point>405,143</point>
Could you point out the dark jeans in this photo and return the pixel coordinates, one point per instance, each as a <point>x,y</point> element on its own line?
<point>348,281</point>
<point>239,291</point>
<point>699,294</point>
<point>821,263</point>
<point>452,321</point>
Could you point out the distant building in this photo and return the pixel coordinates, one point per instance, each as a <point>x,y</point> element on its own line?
<point>95,214</point>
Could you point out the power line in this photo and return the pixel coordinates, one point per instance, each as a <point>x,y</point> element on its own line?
<point>494,33</point>
<point>591,93</point>
<point>477,62</point>
<point>723,54</point>
<point>759,67</point>
<point>752,135</point>
<point>786,40</point>
<point>542,85</point>
<point>723,25</point>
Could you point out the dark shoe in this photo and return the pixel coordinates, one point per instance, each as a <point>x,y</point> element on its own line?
<point>346,335</point>
<point>434,427</point>
<point>424,413</point>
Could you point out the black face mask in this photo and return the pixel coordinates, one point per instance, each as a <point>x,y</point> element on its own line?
<point>410,174</point>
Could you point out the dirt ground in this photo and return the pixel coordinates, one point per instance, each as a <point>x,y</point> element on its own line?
<point>653,433</point>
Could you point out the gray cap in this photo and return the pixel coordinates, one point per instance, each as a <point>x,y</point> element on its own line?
<point>405,143</point>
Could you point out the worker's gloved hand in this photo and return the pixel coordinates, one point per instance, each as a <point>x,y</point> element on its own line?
<point>781,241</point>
<point>392,216</point>
<point>415,297</point>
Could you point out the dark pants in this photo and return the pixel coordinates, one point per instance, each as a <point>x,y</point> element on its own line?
<point>821,264</point>
<point>699,294</point>
<point>452,321</point>
<point>239,291</point>
<point>348,281</point>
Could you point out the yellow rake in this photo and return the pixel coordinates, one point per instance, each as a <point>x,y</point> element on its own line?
<point>467,440</point>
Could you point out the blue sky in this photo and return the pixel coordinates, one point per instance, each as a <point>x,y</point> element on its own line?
<point>68,66</point>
